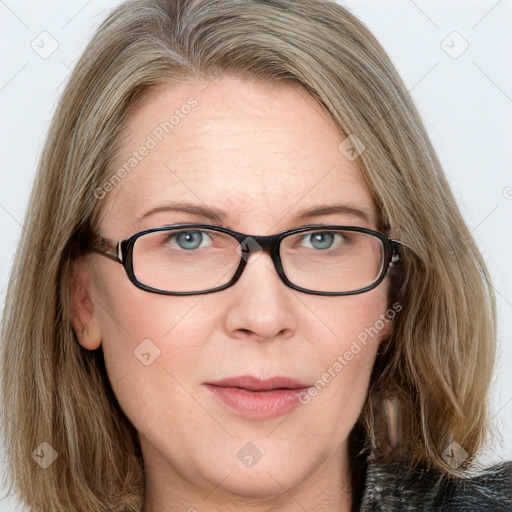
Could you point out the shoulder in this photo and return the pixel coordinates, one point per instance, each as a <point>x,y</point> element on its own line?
<point>401,488</point>
<point>489,490</point>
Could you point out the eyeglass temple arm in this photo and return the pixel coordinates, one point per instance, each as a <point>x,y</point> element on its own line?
<point>106,247</point>
<point>398,247</point>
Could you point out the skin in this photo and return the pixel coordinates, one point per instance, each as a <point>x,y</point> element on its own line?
<point>263,153</point>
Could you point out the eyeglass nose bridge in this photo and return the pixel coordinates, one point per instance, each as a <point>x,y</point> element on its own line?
<point>253,244</point>
<point>249,245</point>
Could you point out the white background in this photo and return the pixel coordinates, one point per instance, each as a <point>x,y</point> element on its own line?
<point>465,102</point>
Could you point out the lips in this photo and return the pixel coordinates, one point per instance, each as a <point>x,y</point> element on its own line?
<point>258,399</point>
<point>251,383</point>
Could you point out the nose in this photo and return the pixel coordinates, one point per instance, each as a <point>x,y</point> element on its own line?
<point>261,306</point>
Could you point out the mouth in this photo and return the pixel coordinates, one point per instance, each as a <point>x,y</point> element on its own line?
<point>258,399</point>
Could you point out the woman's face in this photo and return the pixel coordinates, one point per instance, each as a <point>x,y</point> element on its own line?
<point>265,156</point>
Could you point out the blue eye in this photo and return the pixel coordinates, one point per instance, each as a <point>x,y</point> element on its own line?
<point>321,240</point>
<point>189,239</point>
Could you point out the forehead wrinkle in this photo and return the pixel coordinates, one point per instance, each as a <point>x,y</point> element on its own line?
<point>292,163</point>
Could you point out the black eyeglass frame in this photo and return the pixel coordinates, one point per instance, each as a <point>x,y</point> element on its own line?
<point>267,243</point>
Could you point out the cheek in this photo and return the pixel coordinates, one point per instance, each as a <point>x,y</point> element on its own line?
<point>356,325</point>
<point>347,321</point>
<point>352,328</point>
<point>152,344</point>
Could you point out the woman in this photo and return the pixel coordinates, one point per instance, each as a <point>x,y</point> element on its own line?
<point>243,282</point>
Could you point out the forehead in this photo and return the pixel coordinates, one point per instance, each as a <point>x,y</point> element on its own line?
<point>259,153</point>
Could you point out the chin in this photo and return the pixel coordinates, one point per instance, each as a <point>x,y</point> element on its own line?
<point>261,484</point>
<point>267,477</point>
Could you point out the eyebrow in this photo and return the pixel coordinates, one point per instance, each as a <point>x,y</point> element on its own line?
<point>218,216</point>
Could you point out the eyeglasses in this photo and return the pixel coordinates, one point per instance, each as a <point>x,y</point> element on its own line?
<point>190,259</point>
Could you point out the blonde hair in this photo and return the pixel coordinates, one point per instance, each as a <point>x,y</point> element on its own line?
<point>438,361</point>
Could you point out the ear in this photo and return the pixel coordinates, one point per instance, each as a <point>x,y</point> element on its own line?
<point>83,317</point>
